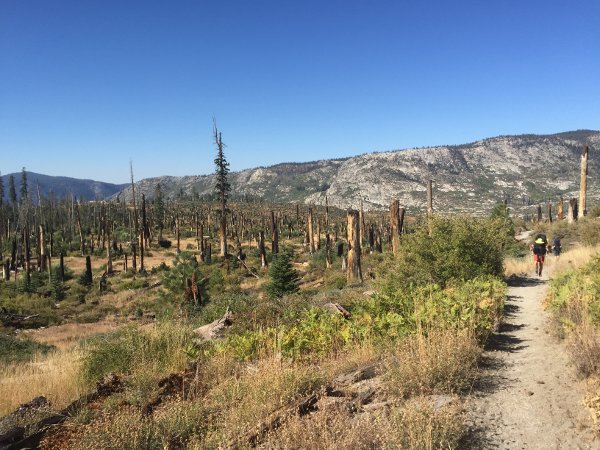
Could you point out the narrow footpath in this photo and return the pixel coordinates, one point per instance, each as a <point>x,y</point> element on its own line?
<point>529,396</point>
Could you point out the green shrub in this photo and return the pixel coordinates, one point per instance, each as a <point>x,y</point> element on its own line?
<point>56,285</point>
<point>179,281</point>
<point>13,349</point>
<point>457,249</point>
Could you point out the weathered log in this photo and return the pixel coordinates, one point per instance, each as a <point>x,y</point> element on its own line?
<point>336,308</point>
<point>214,329</point>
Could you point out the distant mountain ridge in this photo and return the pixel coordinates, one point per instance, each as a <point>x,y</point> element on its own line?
<point>62,186</point>
<point>524,170</point>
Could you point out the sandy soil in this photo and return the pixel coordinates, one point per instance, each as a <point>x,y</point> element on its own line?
<point>529,397</point>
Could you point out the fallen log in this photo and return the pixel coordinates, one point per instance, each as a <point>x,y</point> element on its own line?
<point>336,308</point>
<point>214,329</point>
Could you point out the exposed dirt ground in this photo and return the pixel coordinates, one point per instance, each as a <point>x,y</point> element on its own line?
<point>529,397</point>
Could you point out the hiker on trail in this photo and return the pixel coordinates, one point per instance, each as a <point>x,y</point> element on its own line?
<point>556,247</point>
<point>539,247</point>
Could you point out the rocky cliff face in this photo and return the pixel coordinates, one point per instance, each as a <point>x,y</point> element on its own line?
<point>525,170</point>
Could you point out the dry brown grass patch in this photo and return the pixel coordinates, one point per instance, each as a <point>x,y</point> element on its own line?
<point>65,336</point>
<point>441,361</point>
<point>54,376</point>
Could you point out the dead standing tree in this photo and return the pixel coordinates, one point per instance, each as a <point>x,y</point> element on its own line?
<point>560,210</point>
<point>354,272</point>
<point>395,224</point>
<point>135,221</point>
<point>582,207</point>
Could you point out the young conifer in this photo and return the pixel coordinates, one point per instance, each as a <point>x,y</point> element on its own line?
<point>222,187</point>
<point>284,278</point>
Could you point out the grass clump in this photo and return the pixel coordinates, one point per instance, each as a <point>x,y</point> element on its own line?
<point>157,351</point>
<point>574,299</point>
<point>14,350</point>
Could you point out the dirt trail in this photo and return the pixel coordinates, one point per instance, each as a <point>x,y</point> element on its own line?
<point>529,397</point>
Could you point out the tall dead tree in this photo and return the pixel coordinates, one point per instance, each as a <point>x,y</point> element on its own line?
<point>582,207</point>
<point>143,232</point>
<point>539,213</point>
<point>430,206</point>
<point>78,219</point>
<point>429,198</point>
<point>274,235</point>
<point>549,212</point>
<point>135,220</point>
<point>311,234</point>
<point>572,215</point>
<point>261,248</point>
<point>559,210</point>
<point>354,272</point>
<point>395,224</point>
<point>362,223</point>
<point>42,249</point>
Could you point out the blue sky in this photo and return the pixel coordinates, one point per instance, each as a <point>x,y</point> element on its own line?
<point>85,86</point>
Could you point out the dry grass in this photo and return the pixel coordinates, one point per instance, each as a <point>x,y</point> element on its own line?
<point>416,424</point>
<point>65,336</point>
<point>54,376</point>
<point>439,362</point>
<point>584,345</point>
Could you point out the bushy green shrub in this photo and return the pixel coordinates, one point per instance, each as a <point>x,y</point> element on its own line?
<point>456,249</point>
<point>575,295</point>
<point>179,281</point>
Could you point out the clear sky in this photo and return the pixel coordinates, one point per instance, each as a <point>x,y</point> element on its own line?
<point>85,86</point>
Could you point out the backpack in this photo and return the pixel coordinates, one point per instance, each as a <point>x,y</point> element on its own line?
<point>540,244</point>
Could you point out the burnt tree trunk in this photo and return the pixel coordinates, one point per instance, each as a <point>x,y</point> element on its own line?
<point>560,210</point>
<point>354,272</point>
<point>143,233</point>
<point>395,224</point>
<point>311,235</point>
<point>42,249</point>
<point>582,207</point>
<point>328,250</point>
<point>429,198</point>
<point>78,218</point>
<point>274,235</point>
<point>572,215</point>
<point>261,248</point>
